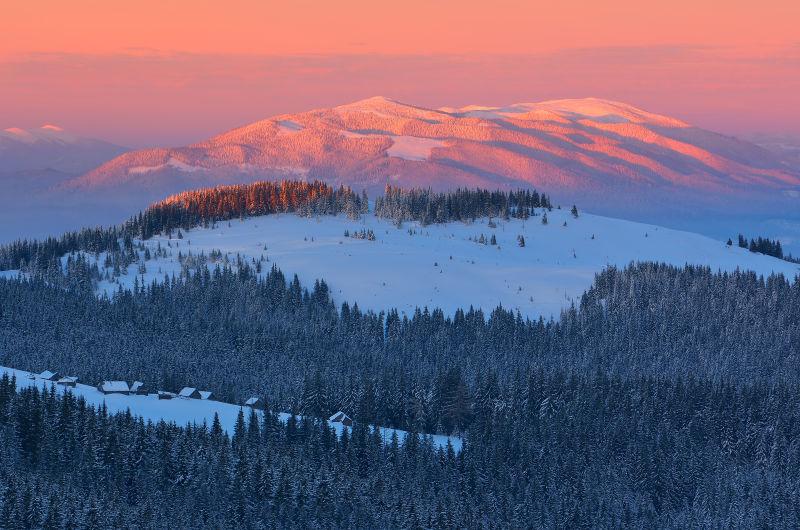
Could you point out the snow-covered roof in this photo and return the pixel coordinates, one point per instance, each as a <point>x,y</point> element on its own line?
<point>136,385</point>
<point>165,393</point>
<point>47,374</point>
<point>252,401</point>
<point>206,394</point>
<point>68,379</point>
<point>114,386</point>
<point>187,391</point>
<point>339,416</point>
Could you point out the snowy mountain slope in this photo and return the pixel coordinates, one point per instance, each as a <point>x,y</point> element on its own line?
<point>51,148</point>
<point>566,147</point>
<point>33,164</point>
<point>444,265</point>
<point>187,411</point>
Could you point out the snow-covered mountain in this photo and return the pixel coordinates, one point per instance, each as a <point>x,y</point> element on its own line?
<point>52,148</point>
<point>785,146</point>
<point>34,163</point>
<point>568,147</point>
<point>449,266</point>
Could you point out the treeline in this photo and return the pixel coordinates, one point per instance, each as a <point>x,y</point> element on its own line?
<point>766,246</point>
<point>35,254</point>
<point>186,210</point>
<point>202,207</point>
<point>762,245</point>
<point>206,207</point>
<point>426,206</point>
<point>239,335</point>
<point>573,451</point>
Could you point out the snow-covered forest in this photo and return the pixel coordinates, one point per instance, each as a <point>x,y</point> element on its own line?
<point>664,397</point>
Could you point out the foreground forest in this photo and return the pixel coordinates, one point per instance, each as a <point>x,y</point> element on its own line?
<point>667,398</point>
<point>577,452</point>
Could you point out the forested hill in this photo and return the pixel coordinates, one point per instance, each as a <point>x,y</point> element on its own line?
<point>185,210</point>
<point>211,205</point>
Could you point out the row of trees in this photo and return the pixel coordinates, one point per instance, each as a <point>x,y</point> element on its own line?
<point>201,207</point>
<point>207,206</point>
<point>426,206</point>
<point>764,245</point>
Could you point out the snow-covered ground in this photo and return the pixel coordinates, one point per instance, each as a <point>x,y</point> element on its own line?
<point>443,265</point>
<point>188,411</point>
<point>9,275</point>
<point>413,148</point>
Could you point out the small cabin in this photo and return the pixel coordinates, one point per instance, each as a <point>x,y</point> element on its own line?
<point>47,375</point>
<point>67,381</point>
<point>138,389</point>
<point>255,403</point>
<point>207,395</point>
<point>114,387</point>
<point>341,417</point>
<point>189,392</point>
<point>162,394</point>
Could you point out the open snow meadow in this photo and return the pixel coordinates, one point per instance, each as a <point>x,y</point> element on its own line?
<point>442,265</point>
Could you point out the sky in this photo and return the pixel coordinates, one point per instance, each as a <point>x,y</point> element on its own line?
<point>170,72</point>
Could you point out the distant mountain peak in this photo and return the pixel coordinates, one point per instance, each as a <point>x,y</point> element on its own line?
<point>47,128</point>
<point>21,135</point>
<point>374,101</point>
<point>50,147</point>
<point>47,132</point>
<point>382,105</point>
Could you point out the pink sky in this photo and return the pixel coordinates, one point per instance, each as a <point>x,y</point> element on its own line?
<point>174,71</point>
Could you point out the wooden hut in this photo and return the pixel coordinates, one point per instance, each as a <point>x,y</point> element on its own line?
<point>255,403</point>
<point>189,392</point>
<point>341,417</point>
<point>68,381</point>
<point>138,389</point>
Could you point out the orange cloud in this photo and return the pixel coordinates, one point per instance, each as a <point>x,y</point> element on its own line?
<point>173,71</point>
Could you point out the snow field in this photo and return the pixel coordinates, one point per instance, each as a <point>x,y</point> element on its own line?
<point>444,266</point>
